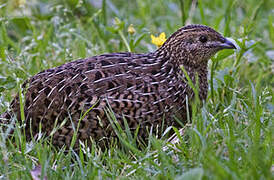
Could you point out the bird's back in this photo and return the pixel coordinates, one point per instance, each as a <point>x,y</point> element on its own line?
<point>134,86</point>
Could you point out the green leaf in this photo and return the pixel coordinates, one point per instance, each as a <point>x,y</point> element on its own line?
<point>224,54</point>
<point>193,174</point>
<point>80,51</point>
<point>73,3</point>
<point>138,39</point>
<point>20,73</point>
<point>7,83</point>
<point>271,29</point>
<point>21,24</point>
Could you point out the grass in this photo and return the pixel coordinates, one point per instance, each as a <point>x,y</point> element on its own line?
<point>231,136</point>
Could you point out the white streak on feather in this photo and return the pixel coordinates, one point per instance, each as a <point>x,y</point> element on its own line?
<point>60,72</point>
<point>51,91</point>
<point>74,76</point>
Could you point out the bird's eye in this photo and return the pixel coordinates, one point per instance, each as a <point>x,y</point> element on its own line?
<point>203,39</point>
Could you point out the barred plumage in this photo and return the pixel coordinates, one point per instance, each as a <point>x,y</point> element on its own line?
<point>143,88</point>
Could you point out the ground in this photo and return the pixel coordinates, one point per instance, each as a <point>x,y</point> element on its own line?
<point>231,136</point>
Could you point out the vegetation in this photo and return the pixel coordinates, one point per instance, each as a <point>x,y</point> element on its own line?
<point>231,136</point>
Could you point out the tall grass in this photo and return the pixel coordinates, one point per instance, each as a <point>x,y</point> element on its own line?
<point>231,136</point>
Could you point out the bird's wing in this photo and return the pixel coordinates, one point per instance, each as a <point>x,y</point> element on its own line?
<point>83,82</point>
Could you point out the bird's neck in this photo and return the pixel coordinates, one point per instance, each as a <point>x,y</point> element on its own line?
<point>194,71</point>
<point>195,74</point>
<point>177,61</point>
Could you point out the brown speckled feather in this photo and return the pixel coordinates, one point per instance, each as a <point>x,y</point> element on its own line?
<point>140,87</point>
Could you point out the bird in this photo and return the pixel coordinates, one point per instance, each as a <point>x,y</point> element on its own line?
<point>147,90</point>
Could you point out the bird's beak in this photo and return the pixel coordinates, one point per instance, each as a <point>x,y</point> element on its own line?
<point>227,45</point>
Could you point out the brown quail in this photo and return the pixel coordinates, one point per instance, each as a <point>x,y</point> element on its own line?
<point>146,89</point>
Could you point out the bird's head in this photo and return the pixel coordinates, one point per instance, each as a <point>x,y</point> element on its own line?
<point>194,45</point>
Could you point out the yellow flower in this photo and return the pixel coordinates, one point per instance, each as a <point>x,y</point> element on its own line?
<point>20,2</point>
<point>158,41</point>
<point>131,29</point>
